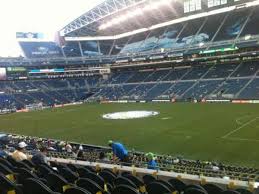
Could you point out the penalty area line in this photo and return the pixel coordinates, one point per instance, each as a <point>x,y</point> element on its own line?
<point>241,139</point>
<point>235,130</point>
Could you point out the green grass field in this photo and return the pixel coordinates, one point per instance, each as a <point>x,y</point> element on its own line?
<point>221,132</point>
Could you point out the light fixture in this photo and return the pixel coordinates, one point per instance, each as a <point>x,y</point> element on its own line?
<point>248,37</point>
<point>134,13</point>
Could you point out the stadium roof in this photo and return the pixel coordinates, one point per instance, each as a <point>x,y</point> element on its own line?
<point>120,16</point>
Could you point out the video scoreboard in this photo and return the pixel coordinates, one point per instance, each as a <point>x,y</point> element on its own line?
<point>196,5</point>
<point>23,73</point>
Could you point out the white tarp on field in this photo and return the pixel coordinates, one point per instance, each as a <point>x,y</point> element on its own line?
<point>130,115</point>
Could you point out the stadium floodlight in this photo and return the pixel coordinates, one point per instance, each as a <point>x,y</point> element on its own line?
<point>109,24</point>
<point>148,8</point>
<point>102,27</point>
<point>165,2</point>
<point>152,6</point>
<point>201,44</point>
<point>116,21</point>
<point>253,3</point>
<point>137,12</point>
<point>248,37</point>
<point>129,14</point>
<point>123,18</point>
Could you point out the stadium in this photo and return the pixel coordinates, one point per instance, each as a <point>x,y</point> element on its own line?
<point>135,97</point>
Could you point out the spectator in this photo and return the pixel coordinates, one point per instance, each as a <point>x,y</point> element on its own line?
<point>19,154</point>
<point>103,157</point>
<point>40,157</point>
<point>80,153</point>
<point>3,152</point>
<point>68,148</point>
<point>119,151</point>
<point>81,147</point>
<point>152,164</point>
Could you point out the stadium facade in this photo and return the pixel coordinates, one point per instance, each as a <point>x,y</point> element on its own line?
<point>136,50</point>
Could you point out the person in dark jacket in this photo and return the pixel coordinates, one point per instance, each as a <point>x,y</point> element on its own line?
<point>40,157</point>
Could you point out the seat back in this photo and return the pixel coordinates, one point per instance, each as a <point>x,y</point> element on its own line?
<point>8,186</point>
<point>5,170</point>
<point>194,186</point>
<point>137,181</point>
<point>243,191</point>
<point>68,174</point>
<point>157,188</point>
<point>82,171</point>
<point>11,160</point>
<point>72,167</point>
<point>230,192</point>
<point>124,181</point>
<point>76,190</point>
<point>166,183</point>
<point>125,173</point>
<point>5,183</point>
<point>29,163</point>
<point>124,189</point>
<point>56,182</point>
<point>193,190</point>
<point>148,179</point>
<point>23,165</point>
<point>177,184</point>
<point>94,177</point>
<point>44,170</point>
<point>107,176</point>
<point>24,174</point>
<point>33,186</point>
<point>109,170</point>
<point>89,185</point>
<point>212,189</point>
<point>6,163</point>
<point>90,168</point>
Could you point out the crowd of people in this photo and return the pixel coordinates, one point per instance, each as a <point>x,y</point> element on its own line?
<point>38,150</point>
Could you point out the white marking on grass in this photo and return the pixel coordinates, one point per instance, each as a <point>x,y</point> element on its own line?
<point>165,118</point>
<point>242,139</point>
<point>237,129</point>
<point>240,118</point>
<point>70,110</point>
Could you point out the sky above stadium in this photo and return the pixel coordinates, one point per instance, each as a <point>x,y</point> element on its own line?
<point>46,16</point>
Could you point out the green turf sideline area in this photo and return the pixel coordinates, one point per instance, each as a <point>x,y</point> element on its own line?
<point>221,132</point>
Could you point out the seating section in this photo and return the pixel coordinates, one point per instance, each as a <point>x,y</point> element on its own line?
<point>18,94</point>
<point>140,76</point>
<point>229,88</point>
<point>220,81</point>
<point>251,90</point>
<point>177,90</point>
<point>201,89</point>
<point>221,71</point>
<point>246,69</point>
<point>196,72</point>
<point>68,176</point>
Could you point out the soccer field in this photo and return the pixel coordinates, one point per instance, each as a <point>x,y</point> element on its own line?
<point>221,132</point>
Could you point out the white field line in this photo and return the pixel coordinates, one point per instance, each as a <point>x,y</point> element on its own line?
<point>242,139</point>
<point>235,130</point>
<point>240,118</point>
<point>165,118</point>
